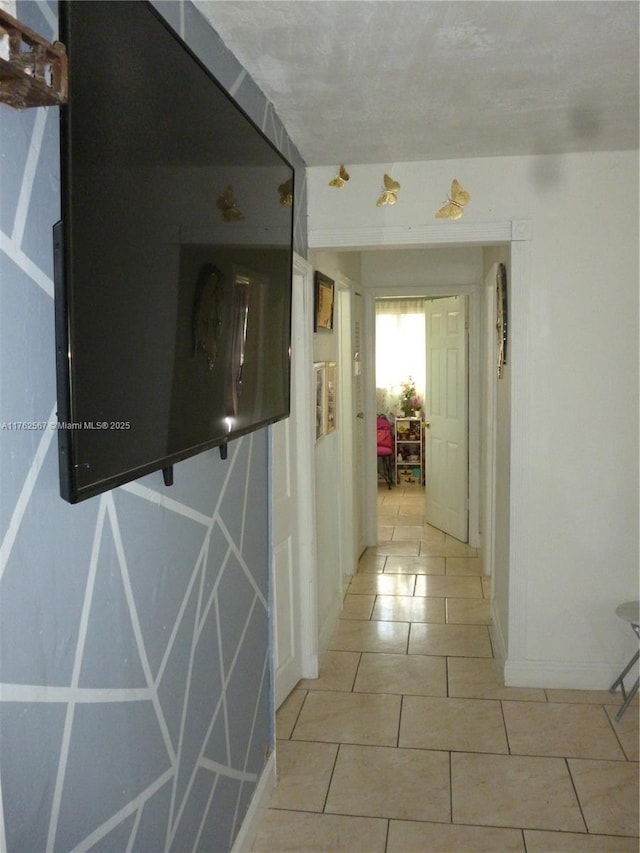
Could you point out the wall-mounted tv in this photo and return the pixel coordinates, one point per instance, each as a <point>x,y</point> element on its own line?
<point>173,256</point>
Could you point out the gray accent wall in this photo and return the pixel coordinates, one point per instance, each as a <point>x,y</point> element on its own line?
<point>135,661</point>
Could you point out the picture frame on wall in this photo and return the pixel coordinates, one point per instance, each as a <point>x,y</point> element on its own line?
<point>502,318</point>
<point>319,384</point>
<point>323,303</point>
<point>331,381</point>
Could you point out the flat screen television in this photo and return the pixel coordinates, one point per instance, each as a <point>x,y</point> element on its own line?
<point>173,256</point>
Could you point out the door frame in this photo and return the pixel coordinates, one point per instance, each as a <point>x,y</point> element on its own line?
<point>474,308</point>
<point>516,234</point>
<point>303,466</point>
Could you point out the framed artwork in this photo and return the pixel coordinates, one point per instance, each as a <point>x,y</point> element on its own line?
<point>319,383</point>
<point>502,317</point>
<point>332,399</point>
<point>323,303</point>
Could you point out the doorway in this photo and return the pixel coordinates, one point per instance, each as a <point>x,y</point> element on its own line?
<point>422,388</point>
<point>463,521</point>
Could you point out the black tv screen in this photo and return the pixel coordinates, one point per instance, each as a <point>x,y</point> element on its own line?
<point>173,256</point>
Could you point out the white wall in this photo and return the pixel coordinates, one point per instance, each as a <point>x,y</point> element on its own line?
<point>577,394</point>
<point>330,499</point>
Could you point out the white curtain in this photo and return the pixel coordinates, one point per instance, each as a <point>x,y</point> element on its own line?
<point>400,349</point>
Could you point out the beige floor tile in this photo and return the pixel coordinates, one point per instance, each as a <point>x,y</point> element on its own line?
<point>287,713</point>
<point>417,565</point>
<point>408,784</point>
<point>556,728</point>
<point>420,675</point>
<point>363,718</point>
<point>583,697</point>
<point>448,587</point>
<point>403,549</point>
<point>572,842</point>
<point>409,516</point>
<point>464,566</point>
<point>627,730</point>
<point>463,725</point>
<point>608,793</point>
<point>446,548</point>
<point>408,608</point>
<point>352,635</point>
<point>337,672</point>
<point>371,563</point>
<point>432,534</point>
<point>412,837</point>
<point>407,531</point>
<point>304,773</point>
<point>487,587</point>
<point>468,611</point>
<point>370,583</point>
<point>385,532</point>
<point>512,790</point>
<point>452,640</point>
<point>357,606</point>
<point>299,832</point>
<point>482,679</point>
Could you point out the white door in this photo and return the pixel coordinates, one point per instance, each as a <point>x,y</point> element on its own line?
<point>292,509</point>
<point>286,577</point>
<point>357,360</point>
<point>446,415</point>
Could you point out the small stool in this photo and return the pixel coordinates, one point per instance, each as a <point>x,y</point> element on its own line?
<point>629,612</point>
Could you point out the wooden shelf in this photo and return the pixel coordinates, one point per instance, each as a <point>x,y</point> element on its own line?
<point>35,72</point>
<point>409,443</point>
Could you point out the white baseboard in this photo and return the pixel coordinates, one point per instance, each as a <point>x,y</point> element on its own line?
<point>551,674</point>
<point>497,637</point>
<point>250,825</point>
<point>328,627</point>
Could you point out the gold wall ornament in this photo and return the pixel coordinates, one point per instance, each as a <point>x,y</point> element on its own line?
<point>390,193</point>
<point>454,208</point>
<point>230,210</point>
<point>286,193</point>
<point>340,179</point>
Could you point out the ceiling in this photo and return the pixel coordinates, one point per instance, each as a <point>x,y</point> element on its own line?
<point>376,81</point>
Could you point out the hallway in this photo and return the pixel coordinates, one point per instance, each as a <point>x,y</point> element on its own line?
<point>409,742</point>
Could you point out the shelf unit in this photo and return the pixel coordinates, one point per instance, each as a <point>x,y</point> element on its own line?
<point>409,453</point>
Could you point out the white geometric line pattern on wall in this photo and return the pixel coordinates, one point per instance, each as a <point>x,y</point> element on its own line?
<point>25,494</point>
<point>134,634</point>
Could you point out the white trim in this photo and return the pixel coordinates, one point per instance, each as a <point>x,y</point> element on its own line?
<point>567,675</point>
<point>446,234</point>
<point>497,637</point>
<point>329,626</point>
<point>301,336</point>
<point>521,463</point>
<point>255,814</point>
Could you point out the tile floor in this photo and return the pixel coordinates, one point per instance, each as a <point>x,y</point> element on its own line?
<point>408,741</point>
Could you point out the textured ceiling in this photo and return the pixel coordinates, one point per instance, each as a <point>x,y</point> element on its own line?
<point>367,81</point>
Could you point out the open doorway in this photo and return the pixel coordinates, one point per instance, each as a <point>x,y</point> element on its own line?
<point>427,377</point>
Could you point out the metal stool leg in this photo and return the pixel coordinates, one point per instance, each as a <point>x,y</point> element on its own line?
<point>619,682</point>
<point>627,698</point>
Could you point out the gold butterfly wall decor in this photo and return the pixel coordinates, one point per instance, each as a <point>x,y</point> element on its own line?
<point>340,179</point>
<point>286,193</point>
<point>390,193</point>
<point>454,208</point>
<point>230,210</point>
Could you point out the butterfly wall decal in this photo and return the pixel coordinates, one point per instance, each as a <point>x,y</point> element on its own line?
<point>230,210</point>
<point>390,194</point>
<point>454,208</point>
<point>286,193</point>
<point>340,179</point>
